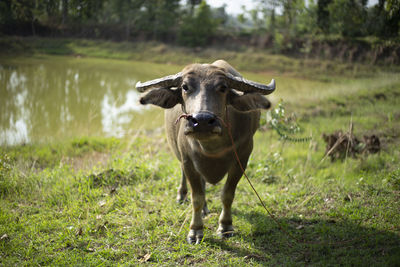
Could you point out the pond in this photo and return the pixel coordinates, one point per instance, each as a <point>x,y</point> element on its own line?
<point>52,97</point>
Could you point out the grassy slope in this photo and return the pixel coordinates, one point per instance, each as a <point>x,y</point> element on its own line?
<point>108,201</point>
<point>244,59</point>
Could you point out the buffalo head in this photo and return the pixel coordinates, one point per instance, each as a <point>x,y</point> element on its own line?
<point>204,91</point>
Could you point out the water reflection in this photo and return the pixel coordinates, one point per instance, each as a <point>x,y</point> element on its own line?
<point>53,98</point>
<point>115,117</point>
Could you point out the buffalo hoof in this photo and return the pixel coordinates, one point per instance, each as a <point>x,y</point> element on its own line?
<point>195,236</point>
<point>225,231</point>
<point>181,198</point>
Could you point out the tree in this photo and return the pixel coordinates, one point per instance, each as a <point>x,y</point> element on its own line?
<point>124,12</point>
<point>86,10</point>
<point>27,11</point>
<point>392,18</point>
<point>376,19</point>
<point>64,11</point>
<point>323,15</point>
<point>166,19</point>
<point>220,14</point>
<point>6,14</point>
<point>196,30</point>
<point>192,4</point>
<point>348,17</point>
<point>307,20</point>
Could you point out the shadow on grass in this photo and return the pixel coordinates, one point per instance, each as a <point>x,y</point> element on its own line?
<point>321,242</point>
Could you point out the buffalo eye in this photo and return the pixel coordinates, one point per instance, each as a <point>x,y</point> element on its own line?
<point>223,89</point>
<point>185,88</point>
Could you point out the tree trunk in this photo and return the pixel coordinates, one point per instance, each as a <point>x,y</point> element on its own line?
<point>128,30</point>
<point>64,11</point>
<point>33,26</point>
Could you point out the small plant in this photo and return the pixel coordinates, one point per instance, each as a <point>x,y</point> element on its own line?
<point>285,126</point>
<point>393,179</point>
<point>266,170</point>
<point>5,171</point>
<point>5,164</point>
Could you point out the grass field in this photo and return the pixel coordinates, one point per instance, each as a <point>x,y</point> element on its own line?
<point>243,58</point>
<point>107,201</point>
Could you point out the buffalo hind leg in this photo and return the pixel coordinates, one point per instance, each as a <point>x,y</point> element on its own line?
<point>182,194</point>
<point>182,190</point>
<point>206,211</point>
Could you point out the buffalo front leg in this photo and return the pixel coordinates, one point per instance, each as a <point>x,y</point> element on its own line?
<point>225,228</point>
<point>195,235</point>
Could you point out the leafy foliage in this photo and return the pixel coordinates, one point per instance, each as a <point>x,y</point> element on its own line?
<point>278,23</point>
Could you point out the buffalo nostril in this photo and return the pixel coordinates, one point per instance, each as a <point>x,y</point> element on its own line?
<point>193,121</point>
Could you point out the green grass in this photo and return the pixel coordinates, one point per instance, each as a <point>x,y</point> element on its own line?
<point>107,201</point>
<point>244,59</point>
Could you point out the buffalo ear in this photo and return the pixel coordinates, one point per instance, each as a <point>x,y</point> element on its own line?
<point>248,102</point>
<point>162,97</point>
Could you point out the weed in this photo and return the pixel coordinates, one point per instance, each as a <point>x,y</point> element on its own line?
<point>392,179</point>
<point>286,127</point>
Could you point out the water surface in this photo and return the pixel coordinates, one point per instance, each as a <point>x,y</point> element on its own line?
<point>51,98</point>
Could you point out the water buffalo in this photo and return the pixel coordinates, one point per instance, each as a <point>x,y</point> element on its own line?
<point>202,102</point>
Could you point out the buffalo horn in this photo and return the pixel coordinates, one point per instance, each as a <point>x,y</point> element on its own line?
<point>165,82</point>
<point>247,86</point>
